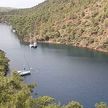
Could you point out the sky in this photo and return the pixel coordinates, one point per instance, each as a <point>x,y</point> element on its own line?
<point>19,3</point>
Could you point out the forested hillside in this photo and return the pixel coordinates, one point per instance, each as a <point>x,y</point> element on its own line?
<point>82,23</point>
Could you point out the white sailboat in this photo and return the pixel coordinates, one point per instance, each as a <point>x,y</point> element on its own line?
<point>14,30</point>
<point>33,44</point>
<point>26,69</point>
<point>24,72</point>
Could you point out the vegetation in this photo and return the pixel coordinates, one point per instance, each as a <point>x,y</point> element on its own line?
<point>3,63</point>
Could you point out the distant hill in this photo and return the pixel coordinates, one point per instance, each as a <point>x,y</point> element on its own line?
<point>82,23</point>
<point>5,9</point>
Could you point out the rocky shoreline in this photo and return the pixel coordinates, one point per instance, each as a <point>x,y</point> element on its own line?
<point>80,44</point>
<point>67,43</point>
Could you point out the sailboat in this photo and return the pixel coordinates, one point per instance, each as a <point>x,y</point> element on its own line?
<point>25,70</point>
<point>13,29</point>
<point>33,44</point>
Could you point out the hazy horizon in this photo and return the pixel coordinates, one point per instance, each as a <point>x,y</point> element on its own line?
<point>20,3</point>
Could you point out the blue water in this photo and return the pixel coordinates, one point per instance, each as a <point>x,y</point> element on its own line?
<point>63,72</point>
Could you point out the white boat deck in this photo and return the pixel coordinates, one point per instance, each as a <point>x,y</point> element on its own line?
<point>14,31</point>
<point>34,45</point>
<point>24,72</point>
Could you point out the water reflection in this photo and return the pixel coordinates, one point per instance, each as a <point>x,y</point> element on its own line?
<point>75,52</point>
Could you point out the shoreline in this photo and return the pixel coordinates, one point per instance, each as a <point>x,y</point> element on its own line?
<point>68,44</point>
<point>91,49</point>
<point>26,40</point>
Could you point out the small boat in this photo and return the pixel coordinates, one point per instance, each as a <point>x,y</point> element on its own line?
<point>24,72</point>
<point>34,45</point>
<point>33,42</point>
<point>13,31</point>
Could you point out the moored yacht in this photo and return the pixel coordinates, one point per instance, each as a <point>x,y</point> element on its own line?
<point>24,72</point>
<point>14,30</point>
<point>33,45</point>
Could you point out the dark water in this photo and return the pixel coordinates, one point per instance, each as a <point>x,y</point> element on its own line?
<point>63,72</point>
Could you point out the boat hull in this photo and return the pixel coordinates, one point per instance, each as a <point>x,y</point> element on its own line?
<point>33,46</point>
<point>24,72</point>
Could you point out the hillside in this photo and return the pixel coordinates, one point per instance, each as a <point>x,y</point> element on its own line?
<point>82,23</point>
<point>5,9</point>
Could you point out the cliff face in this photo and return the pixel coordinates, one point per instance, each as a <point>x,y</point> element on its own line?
<point>82,23</point>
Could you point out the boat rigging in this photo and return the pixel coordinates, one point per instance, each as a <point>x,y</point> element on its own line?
<point>33,43</point>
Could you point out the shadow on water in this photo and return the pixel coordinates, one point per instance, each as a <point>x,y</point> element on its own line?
<point>69,50</point>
